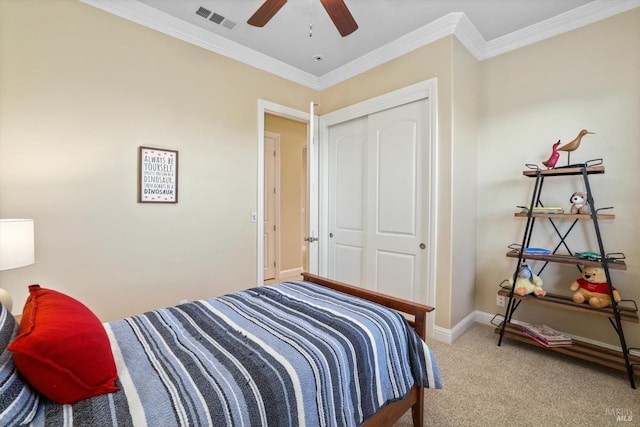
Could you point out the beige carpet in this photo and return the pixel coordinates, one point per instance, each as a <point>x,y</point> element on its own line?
<point>520,385</point>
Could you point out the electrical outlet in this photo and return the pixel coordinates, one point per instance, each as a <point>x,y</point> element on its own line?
<point>500,301</point>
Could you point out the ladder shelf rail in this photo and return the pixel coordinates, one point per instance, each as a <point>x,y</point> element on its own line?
<point>605,261</point>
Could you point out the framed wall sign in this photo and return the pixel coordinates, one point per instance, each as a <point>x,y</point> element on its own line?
<point>157,175</point>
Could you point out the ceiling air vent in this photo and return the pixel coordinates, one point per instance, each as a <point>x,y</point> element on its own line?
<point>228,24</point>
<point>215,18</point>
<point>203,12</point>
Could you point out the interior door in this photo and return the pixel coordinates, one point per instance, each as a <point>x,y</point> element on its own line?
<point>308,117</point>
<point>377,181</point>
<point>396,238</point>
<point>312,196</point>
<point>347,201</point>
<point>271,142</point>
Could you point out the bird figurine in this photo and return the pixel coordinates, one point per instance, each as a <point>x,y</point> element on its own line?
<point>573,145</point>
<point>553,159</point>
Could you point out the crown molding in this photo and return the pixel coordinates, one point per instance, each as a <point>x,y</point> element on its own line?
<point>147,16</point>
<point>431,32</point>
<point>456,23</point>
<point>579,17</point>
<point>470,37</point>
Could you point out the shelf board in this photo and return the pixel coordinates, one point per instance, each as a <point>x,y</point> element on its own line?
<point>563,216</point>
<point>579,349</point>
<point>568,259</point>
<point>628,314</point>
<point>564,171</point>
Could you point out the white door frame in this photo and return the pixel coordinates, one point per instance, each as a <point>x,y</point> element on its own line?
<point>425,89</point>
<point>299,116</point>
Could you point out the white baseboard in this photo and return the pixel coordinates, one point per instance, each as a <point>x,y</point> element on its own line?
<point>450,335</point>
<point>484,317</point>
<point>291,272</point>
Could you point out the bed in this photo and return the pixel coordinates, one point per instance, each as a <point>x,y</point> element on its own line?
<point>314,352</point>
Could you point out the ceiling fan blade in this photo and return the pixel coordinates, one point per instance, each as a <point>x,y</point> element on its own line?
<point>265,12</point>
<point>340,15</point>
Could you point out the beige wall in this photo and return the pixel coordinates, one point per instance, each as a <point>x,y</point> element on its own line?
<point>293,139</point>
<point>81,89</point>
<point>463,172</point>
<point>530,98</point>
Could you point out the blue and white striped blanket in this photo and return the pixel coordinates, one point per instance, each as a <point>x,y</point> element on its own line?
<point>294,354</point>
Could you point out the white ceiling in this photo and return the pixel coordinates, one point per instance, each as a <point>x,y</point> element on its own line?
<point>387,29</point>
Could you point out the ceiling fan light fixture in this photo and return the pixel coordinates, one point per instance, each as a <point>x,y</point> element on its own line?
<point>341,16</point>
<point>265,12</point>
<point>336,9</point>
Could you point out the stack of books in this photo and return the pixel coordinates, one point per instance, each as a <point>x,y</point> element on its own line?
<point>547,336</point>
<point>545,210</point>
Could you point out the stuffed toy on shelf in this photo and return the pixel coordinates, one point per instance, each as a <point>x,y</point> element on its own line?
<point>592,288</point>
<point>527,282</point>
<point>580,203</point>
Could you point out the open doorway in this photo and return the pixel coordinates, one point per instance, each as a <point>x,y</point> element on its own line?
<point>285,198</point>
<point>310,121</point>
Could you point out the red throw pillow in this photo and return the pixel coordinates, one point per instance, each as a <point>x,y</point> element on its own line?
<point>62,348</point>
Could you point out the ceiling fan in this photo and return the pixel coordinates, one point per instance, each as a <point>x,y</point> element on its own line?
<point>336,9</point>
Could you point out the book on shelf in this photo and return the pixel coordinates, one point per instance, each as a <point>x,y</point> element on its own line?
<point>544,210</point>
<point>547,336</point>
<point>548,344</point>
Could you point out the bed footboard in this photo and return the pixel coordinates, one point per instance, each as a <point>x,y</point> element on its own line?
<point>418,320</point>
<point>418,312</point>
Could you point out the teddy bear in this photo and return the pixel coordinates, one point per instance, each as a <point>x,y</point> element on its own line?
<point>527,282</point>
<point>592,287</point>
<point>580,203</point>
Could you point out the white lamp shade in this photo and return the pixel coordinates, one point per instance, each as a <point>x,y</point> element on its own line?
<point>16,243</point>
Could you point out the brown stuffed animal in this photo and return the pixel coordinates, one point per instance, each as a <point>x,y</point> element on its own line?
<point>592,288</point>
<point>580,203</point>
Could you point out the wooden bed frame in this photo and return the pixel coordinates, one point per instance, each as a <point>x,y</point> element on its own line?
<point>418,320</point>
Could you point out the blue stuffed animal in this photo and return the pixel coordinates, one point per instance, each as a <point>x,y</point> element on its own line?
<point>527,282</point>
